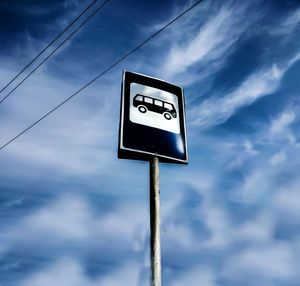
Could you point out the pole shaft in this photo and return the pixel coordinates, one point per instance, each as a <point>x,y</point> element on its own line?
<point>155,223</point>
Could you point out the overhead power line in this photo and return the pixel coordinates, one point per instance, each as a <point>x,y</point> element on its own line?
<point>102,73</point>
<point>61,44</point>
<point>52,42</point>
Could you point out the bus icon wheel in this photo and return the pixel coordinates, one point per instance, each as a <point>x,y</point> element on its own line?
<point>142,109</point>
<point>167,115</point>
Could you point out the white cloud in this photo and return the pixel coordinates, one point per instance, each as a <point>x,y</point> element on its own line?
<point>70,219</point>
<point>214,111</point>
<point>208,49</point>
<point>76,140</point>
<point>211,34</point>
<point>219,224</point>
<point>249,148</point>
<point>127,275</point>
<point>239,153</point>
<point>170,233</point>
<point>278,158</point>
<point>288,25</point>
<point>209,46</point>
<point>254,186</point>
<point>65,272</point>
<point>195,277</point>
<point>69,272</point>
<point>74,147</point>
<point>278,132</point>
<point>287,201</point>
<point>214,218</point>
<point>67,219</point>
<point>257,230</point>
<point>282,122</point>
<point>271,261</point>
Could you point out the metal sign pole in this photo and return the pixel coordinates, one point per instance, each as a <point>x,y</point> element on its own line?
<point>155,223</point>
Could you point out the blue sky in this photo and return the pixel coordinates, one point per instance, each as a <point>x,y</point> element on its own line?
<point>71,213</point>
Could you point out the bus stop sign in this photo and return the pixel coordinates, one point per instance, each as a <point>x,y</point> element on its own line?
<point>152,120</point>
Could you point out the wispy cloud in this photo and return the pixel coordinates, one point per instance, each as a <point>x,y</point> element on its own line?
<point>70,218</point>
<point>69,272</point>
<point>195,277</point>
<point>275,261</point>
<point>288,25</point>
<point>214,111</point>
<point>286,202</point>
<point>208,45</point>
<point>85,127</point>
<point>280,124</point>
<point>278,158</point>
<point>58,232</point>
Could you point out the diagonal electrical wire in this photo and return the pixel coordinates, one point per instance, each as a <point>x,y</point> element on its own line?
<point>47,47</point>
<point>62,43</point>
<point>102,73</point>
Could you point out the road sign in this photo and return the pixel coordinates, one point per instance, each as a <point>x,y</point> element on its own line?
<point>152,120</point>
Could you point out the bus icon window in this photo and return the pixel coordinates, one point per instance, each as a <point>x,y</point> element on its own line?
<point>144,103</point>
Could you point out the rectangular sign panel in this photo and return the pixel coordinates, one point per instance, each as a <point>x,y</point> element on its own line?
<point>152,120</point>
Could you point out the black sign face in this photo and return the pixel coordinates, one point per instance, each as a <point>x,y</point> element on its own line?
<point>152,120</point>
